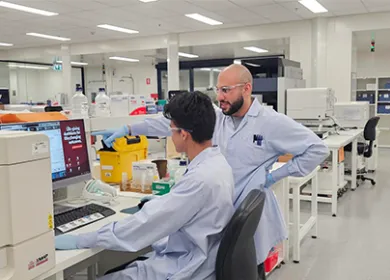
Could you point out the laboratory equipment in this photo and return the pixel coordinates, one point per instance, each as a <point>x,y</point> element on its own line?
<point>119,104</point>
<point>181,170</point>
<point>79,104</point>
<point>312,107</point>
<point>118,160</point>
<point>102,101</point>
<point>99,191</point>
<point>310,103</point>
<point>78,217</point>
<point>68,149</point>
<point>69,159</point>
<point>26,206</point>
<point>352,114</point>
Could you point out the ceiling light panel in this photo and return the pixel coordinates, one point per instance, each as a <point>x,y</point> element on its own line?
<point>188,55</point>
<point>204,19</point>
<point>6,44</point>
<point>256,49</point>
<point>74,62</point>
<point>26,9</point>
<point>313,6</point>
<point>14,65</point>
<point>124,59</point>
<point>47,36</point>
<point>117,28</point>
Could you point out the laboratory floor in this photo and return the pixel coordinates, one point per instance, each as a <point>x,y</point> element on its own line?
<point>355,244</point>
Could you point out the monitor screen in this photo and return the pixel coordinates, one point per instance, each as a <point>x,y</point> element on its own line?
<point>68,149</point>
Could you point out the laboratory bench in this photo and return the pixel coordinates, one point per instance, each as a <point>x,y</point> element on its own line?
<point>78,260</point>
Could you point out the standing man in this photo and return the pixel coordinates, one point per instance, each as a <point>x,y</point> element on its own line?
<point>252,137</point>
<point>184,226</point>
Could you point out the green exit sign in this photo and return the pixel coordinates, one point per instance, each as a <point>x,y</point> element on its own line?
<point>57,67</point>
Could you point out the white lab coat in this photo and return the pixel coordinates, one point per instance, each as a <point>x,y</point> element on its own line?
<point>252,160</point>
<point>184,226</point>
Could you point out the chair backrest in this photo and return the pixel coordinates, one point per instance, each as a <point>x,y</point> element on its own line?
<point>370,134</point>
<point>236,259</point>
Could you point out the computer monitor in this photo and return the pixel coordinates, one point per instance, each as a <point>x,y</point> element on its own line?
<point>68,149</point>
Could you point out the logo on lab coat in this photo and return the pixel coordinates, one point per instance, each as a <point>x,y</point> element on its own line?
<point>258,139</point>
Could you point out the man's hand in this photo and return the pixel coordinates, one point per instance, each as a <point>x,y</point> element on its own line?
<point>66,242</point>
<point>109,136</point>
<point>269,181</point>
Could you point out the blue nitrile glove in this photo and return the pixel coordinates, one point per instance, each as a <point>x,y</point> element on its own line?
<point>66,242</point>
<point>109,136</point>
<point>269,181</point>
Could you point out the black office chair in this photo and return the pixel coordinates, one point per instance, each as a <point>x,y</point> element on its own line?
<point>366,149</point>
<point>236,258</point>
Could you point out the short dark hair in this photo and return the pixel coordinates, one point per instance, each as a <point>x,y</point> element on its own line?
<point>193,112</point>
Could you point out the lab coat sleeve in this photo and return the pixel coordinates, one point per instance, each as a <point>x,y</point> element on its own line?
<point>152,127</point>
<point>157,219</point>
<point>307,148</point>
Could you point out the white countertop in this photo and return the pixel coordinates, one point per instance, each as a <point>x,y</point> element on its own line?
<point>342,139</point>
<point>68,258</point>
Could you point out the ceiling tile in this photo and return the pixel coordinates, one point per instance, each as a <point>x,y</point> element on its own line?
<point>343,6</point>
<point>251,3</point>
<point>214,5</point>
<point>237,14</point>
<point>150,10</point>
<point>82,5</point>
<point>118,3</point>
<point>275,13</point>
<point>298,9</point>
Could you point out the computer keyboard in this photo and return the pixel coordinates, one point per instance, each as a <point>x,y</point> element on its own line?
<point>79,217</point>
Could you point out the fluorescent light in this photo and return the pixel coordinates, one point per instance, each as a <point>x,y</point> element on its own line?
<point>255,49</point>
<point>74,62</point>
<point>252,64</point>
<point>313,6</point>
<point>188,55</point>
<point>48,36</point>
<point>26,9</point>
<point>210,69</point>
<point>14,65</point>
<point>6,45</point>
<point>204,19</point>
<point>116,28</point>
<point>147,1</point>
<point>123,59</point>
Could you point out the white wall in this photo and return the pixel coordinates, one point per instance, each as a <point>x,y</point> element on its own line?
<point>4,76</point>
<point>38,85</point>
<point>373,64</point>
<point>114,75</point>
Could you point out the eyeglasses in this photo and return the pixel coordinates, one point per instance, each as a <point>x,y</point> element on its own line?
<point>227,89</point>
<point>178,129</point>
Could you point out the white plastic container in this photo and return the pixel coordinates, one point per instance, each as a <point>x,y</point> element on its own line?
<point>102,104</point>
<point>79,104</point>
<point>180,171</point>
<point>119,104</point>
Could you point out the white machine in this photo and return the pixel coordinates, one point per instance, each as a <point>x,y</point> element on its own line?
<point>352,114</point>
<point>26,206</point>
<point>310,103</point>
<point>312,107</point>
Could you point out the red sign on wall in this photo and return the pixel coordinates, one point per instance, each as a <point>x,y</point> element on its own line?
<point>148,81</point>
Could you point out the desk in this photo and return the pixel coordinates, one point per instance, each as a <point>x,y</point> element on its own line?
<point>67,259</point>
<point>334,143</point>
<point>300,231</point>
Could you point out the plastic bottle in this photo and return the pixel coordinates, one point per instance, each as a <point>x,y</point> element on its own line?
<point>102,101</point>
<point>181,170</point>
<point>79,104</point>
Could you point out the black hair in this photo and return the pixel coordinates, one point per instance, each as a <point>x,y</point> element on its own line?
<point>193,112</point>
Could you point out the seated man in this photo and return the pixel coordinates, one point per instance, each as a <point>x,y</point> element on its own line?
<point>185,226</point>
